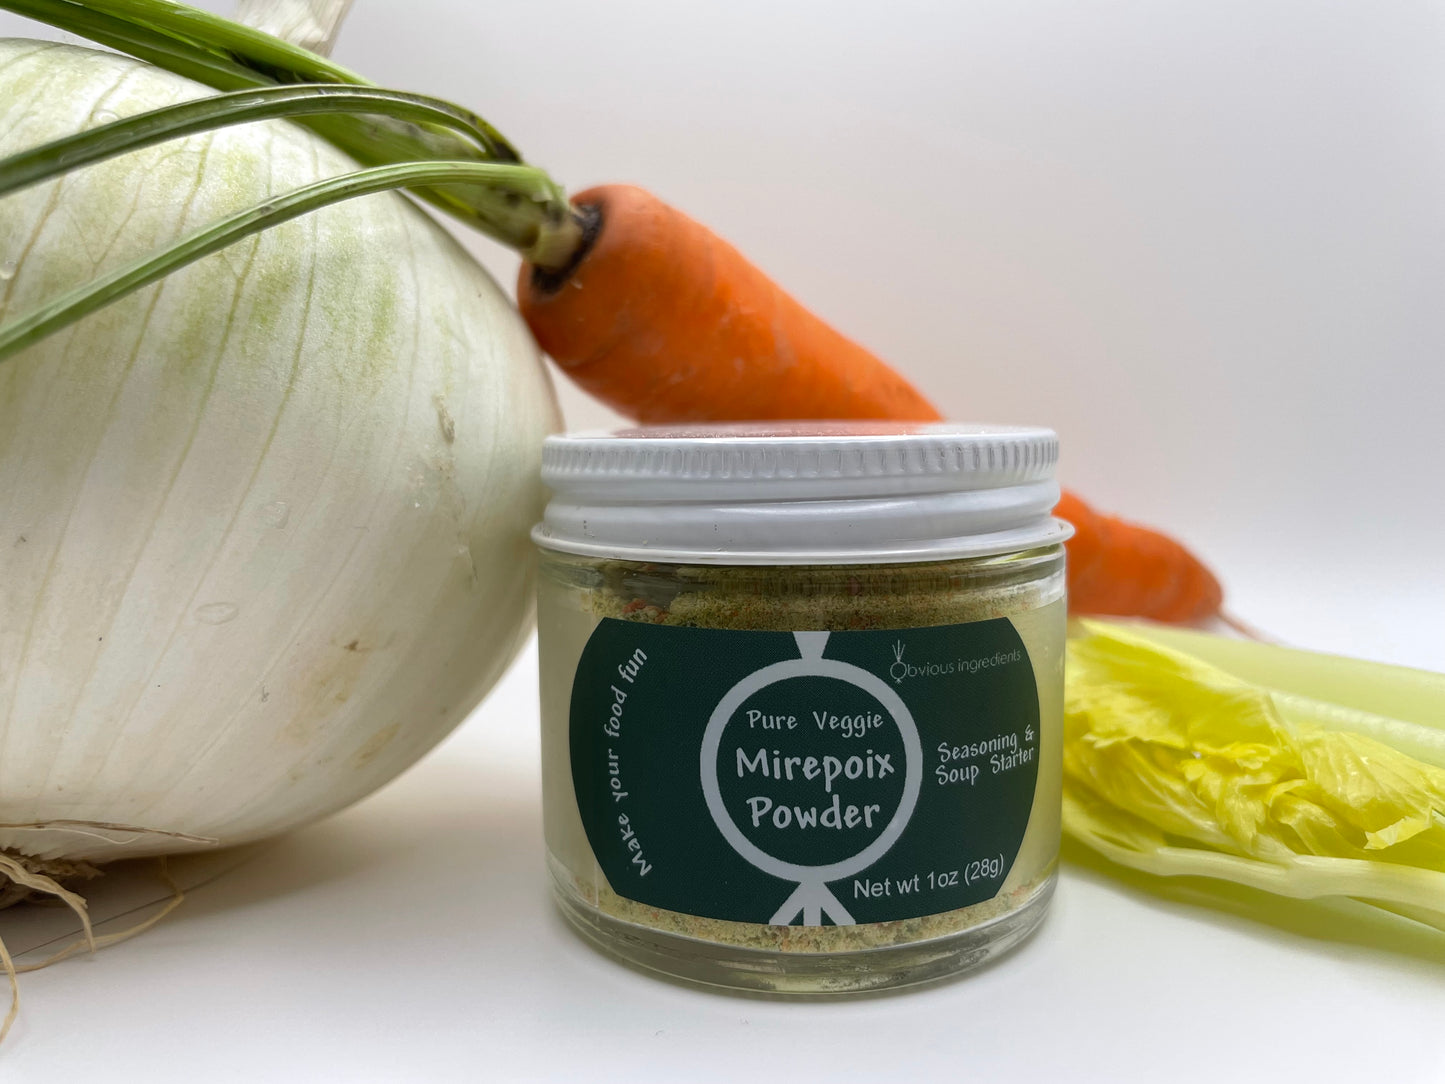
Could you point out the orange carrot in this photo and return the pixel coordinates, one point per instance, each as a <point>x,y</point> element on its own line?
<point>1124,569</point>
<point>666,322</point>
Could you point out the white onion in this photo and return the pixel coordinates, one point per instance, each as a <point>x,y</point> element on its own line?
<point>263,526</point>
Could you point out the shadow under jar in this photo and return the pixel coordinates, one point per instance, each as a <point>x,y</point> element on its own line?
<point>802,697</point>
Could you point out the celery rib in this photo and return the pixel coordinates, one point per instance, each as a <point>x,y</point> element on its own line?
<point>1420,891</point>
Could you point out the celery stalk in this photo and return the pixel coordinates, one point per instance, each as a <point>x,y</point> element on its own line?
<point>1416,696</point>
<point>1188,755</point>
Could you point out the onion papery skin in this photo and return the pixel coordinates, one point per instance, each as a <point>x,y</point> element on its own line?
<point>263,525</point>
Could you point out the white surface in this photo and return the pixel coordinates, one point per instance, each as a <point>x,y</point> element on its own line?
<point>805,493</point>
<point>1200,240</point>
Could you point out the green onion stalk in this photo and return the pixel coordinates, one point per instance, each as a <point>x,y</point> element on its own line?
<point>438,152</point>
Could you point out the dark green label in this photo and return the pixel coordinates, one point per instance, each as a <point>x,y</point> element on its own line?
<point>805,778</point>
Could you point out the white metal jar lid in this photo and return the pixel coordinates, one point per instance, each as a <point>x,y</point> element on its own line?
<point>790,493</point>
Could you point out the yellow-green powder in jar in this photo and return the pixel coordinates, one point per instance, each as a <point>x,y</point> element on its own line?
<point>882,631</point>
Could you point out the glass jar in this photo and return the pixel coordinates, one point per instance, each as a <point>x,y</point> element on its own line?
<point>802,698</point>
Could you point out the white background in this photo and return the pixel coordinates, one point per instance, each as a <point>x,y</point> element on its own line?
<point>1204,241</point>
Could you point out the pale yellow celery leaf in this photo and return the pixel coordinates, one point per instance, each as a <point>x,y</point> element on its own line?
<point>1226,717</point>
<point>1401,707</point>
<point>1403,829</point>
<point>1395,693</point>
<point>1373,787</point>
<point>1238,798</point>
<point>1187,771</point>
<point>1086,815</point>
<point>1119,715</point>
<point>1138,778</point>
<point>1418,741</point>
<point>1316,830</point>
<point>1243,779</point>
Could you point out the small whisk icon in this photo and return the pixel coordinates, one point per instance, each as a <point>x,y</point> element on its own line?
<point>899,670</point>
